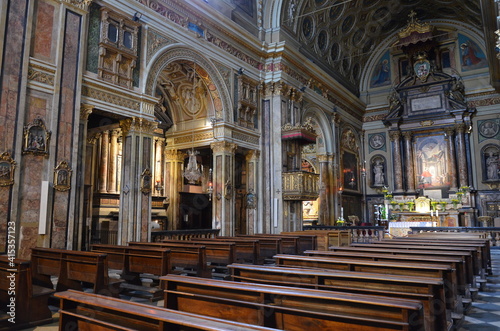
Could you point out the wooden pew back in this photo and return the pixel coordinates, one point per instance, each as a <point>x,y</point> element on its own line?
<point>73,268</point>
<point>24,303</point>
<point>429,291</point>
<point>87,311</point>
<point>290,308</point>
<point>190,258</point>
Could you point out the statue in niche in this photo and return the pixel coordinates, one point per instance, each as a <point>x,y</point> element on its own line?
<point>378,173</point>
<point>492,167</point>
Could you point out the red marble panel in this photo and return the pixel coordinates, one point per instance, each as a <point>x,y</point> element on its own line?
<point>43,32</point>
<point>9,95</point>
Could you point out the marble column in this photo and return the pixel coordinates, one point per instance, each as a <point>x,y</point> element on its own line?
<point>462,157</point>
<point>174,162</point>
<point>223,181</point>
<point>135,202</point>
<point>452,161</point>
<point>253,201</point>
<point>103,164</point>
<point>410,170</point>
<point>395,137</point>
<point>324,180</point>
<point>112,168</point>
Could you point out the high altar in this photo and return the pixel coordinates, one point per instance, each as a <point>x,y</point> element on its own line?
<point>428,122</point>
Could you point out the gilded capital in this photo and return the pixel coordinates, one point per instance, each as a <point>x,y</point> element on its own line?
<point>85,111</point>
<point>408,135</point>
<point>82,4</point>
<point>223,147</point>
<point>253,155</point>
<point>449,131</point>
<point>460,127</point>
<point>174,155</point>
<point>394,135</point>
<point>323,158</point>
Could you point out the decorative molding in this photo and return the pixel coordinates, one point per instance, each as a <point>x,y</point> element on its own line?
<point>155,42</point>
<point>110,98</point>
<point>81,4</point>
<point>240,136</point>
<point>40,76</point>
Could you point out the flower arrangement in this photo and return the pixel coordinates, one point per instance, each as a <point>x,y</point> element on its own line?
<point>433,205</point>
<point>455,202</point>
<point>340,221</point>
<point>410,204</point>
<point>443,204</point>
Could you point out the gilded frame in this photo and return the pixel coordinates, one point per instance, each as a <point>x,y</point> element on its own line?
<point>7,167</point>
<point>146,181</point>
<point>36,138</point>
<point>62,176</point>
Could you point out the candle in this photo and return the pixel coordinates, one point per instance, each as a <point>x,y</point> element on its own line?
<point>432,213</point>
<point>437,213</point>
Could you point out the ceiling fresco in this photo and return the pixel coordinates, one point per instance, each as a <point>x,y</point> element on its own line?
<point>341,35</point>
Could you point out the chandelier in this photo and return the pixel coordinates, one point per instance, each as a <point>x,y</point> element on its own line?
<point>192,170</point>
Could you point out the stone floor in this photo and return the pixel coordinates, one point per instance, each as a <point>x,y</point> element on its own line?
<point>485,312</point>
<point>483,316</point>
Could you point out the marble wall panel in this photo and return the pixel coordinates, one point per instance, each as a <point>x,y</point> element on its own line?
<point>11,72</point>
<point>43,36</point>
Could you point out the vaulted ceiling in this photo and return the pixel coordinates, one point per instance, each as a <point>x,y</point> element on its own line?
<point>341,35</point>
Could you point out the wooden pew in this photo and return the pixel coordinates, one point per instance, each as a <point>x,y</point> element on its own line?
<point>135,262</point>
<point>219,253</point>
<point>465,278</point>
<point>247,250</point>
<point>290,308</point>
<point>291,244</point>
<point>87,311</point>
<point>429,291</point>
<point>74,269</point>
<point>269,246</point>
<point>326,238</point>
<point>482,245</point>
<point>476,256</point>
<point>288,244</point>
<point>23,303</point>
<point>444,272</point>
<point>189,259</point>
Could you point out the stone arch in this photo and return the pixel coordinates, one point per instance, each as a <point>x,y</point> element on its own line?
<point>219,93</point>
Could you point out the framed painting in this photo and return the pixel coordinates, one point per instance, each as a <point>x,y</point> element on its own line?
<point>431,163</point>
<point>350,171</point>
